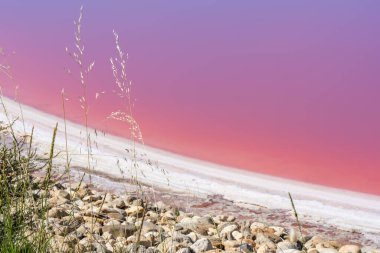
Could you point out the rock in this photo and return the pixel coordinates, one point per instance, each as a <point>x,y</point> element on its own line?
<point>107,235</point>
<point>367,249</point>
<point>202,228</point>
<point>261,238</point>
<point>231,218</point>
<point>82,193</point>
<point>291,251</point>
<point>97,247</point>
<point>131,219</point>
<point>161,206</point>
<point>152,215</point>
<point>248,241</point>
<point>132,248</point>
<point>220,218</point>
<point>231,244</point>
<point>187,220</point>
<point>228,229</point>
<point>237,235</point>
<point>57,213</point>
<point>184,250</point>
<point>335,244</point>
<point>79,203</point>
<point>116,216</point>
<point>312,250</point>
<point>57,201</point>
<point>137,202</point>
<point>216,243</point>
<point>152,250</point>
<point>120,230</point>
<point>293,236</point>
<point>264,248</point>
<point>201,245</point>
<point>246,233</point>
<point>206,220</point>
<point>168,245</point>
<point>246,248</point>
<point>111,223</point>
<point>328,244</point>
<point>285,245</point>
<point>327,250</point>
<point>184,241</point>
<point>215,251</point>
<point>258,225</point>
<point>93,228</point>
<point>312,243</point>
<point>149,227</point>
<point>193,236</point>
<point>350,249</point>
<point>135,210</point>
<point>222,225</point>
<point>170,215</point>
<point>62,194</point>
<point>119,203</point>
<point>92,198</point>
<point>212,231</point>
<point>279,231</point>
<point>78,185</point>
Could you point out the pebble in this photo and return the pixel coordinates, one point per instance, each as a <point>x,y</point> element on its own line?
<point>350,249</point>
<point>116,222</point>
<point>119,230</point>
<point>228,229</point>
<point>201,245</point>
<point>327,250</point>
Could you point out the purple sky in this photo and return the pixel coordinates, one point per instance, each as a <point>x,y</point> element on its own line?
<point>286,88</point>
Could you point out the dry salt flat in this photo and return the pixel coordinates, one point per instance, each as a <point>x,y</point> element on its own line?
<point>350,212</point>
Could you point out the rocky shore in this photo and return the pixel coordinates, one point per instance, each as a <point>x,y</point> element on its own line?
<point>84,219</point>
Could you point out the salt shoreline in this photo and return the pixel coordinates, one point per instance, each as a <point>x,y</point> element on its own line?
<point>343,209</point>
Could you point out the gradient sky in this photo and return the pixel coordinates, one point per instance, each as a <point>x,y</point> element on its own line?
<point>287,88</point>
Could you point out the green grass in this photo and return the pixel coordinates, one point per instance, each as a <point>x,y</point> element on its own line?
<point>23,205</point>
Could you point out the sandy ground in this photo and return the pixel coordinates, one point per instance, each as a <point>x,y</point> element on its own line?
<point>206,187</point>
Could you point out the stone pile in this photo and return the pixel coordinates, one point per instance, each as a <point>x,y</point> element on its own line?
<point>81,219</point>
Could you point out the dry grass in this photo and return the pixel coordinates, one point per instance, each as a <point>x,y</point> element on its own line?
<point>5,69</point>
<point>118,65</point>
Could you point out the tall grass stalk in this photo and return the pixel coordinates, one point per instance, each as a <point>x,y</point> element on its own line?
<point>5,69</point>
<point>78,56</point>
<point>64,99</point>
<point>84,69</point>
<point>118,66</point>
<point>296,216</point>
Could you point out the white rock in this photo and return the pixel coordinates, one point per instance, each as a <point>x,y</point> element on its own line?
<point>264,248</point>
<point>278,230</point>
<point>350,249</point>
<point>291,251</point>
<point>193,236</point>
<point>256,225</point>
<point>285,245</point>
<point>184,250</point>
<point>293,236</point>
<point>237,235</point>
<point>327,250</point>
<point>228,229</point>
<point>201,245</point>
<point>135,210</point>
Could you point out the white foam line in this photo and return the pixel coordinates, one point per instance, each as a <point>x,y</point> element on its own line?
<point>341,208</point>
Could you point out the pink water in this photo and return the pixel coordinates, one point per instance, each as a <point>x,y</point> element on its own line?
<point>288,89</point>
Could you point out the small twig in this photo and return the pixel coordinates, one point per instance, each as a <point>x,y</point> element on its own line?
<point>145,206</point>
<point>296,215</point>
